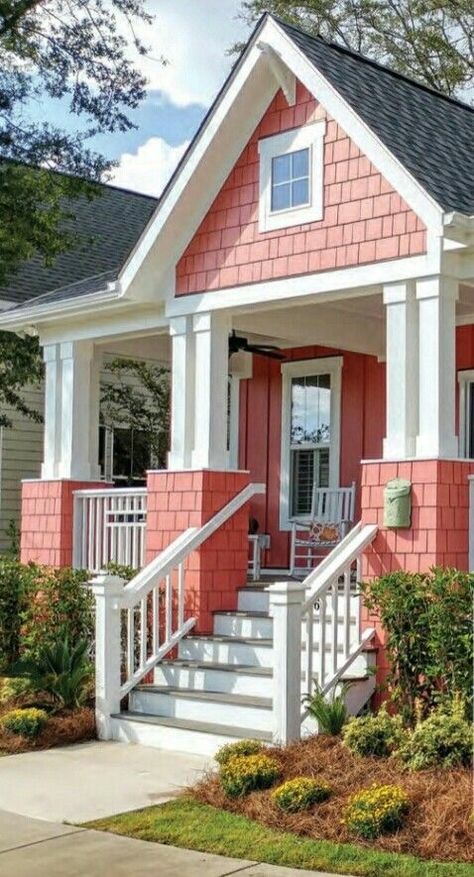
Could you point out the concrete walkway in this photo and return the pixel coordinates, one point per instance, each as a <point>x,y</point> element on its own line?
<point>91,780</point>
<point>34,848</point>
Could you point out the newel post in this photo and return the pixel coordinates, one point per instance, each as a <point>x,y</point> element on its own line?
<point>108,592</point>
<point>286,607</point>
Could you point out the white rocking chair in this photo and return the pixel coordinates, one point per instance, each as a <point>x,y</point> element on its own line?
<point>331,518</point>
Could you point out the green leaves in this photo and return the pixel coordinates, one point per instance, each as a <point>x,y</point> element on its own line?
<point>429,639</point>
<point>331,712</point>
<point>77,52</point>
<point>139,398</point>
<point>60,670</point>
<point>21,365</point>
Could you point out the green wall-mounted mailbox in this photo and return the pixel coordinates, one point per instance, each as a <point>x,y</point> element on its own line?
<point>397,503</point>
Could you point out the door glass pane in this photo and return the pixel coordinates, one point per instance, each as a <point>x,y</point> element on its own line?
<point>311,410</point>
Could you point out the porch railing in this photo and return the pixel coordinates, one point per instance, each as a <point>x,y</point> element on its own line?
<point>139,624</point>
<point>315,639</point>
<point>109,525</point>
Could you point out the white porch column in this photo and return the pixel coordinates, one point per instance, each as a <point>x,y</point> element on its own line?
<point>71,411</point>
<point>211,387</point>
<point>52,411</point>
<point>437,367</point>
<point>402,370</point>
<point>79,411</point>
<point>182,393</point>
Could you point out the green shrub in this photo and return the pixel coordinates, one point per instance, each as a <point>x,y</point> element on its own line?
<point>122,570</point>
<point>378,735</point>
<point>24,722</point>
<point>59,606</point>
<point>300,794</point>
<point>245,773</point>
<point>16,585</point>
<point>443,739</point>
<point>329,712</point>
<point>427,619</point>
<point>61,671</point>
<point>375,811</point>
<point>240,747</point>
<point>12,688</point>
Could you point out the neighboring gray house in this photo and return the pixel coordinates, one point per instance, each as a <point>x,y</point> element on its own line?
<point>107,228</point>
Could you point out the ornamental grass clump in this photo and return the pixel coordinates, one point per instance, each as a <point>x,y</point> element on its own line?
<point>375,811</point>
<point>240,747</point>
<point>246,773</point>
<point>444,739</point>
<point>378,735</point>
<point>27,722</point>
<point>300,794</point>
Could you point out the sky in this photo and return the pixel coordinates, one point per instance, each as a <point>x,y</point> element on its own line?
<point>193,36</point>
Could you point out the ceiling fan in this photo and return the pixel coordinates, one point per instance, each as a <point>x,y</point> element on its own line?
<point>237,343</point>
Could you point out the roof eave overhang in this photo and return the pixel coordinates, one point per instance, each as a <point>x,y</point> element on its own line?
<point>27,318</point>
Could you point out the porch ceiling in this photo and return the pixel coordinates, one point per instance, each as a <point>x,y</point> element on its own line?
<point>357,324</point>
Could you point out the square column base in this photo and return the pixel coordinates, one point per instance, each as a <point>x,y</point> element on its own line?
<point>47,520</point>
<point>178,500</point>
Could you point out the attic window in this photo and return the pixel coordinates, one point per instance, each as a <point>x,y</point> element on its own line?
<point>291,177</point>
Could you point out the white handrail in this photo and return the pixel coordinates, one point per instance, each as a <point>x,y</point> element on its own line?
<point>325,583</point>
<point>160,628</point>
<point>337,560</point>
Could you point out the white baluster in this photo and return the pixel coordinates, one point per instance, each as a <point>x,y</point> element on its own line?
<point>168,608</point>
<point>181,576</point>
<point>143,631</point>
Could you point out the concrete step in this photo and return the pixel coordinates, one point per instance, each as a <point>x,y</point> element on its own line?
<point>245,623</point>
<point>227,650</point>
<point>219,708</point>
<point>202,676</point>
<point>182,735</point>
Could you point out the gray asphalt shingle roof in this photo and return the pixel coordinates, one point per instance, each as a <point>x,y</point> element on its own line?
<point>430,134</point>
<point>108,227</point>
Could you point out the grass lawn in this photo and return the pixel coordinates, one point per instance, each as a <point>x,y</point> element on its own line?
<point>191,825</point>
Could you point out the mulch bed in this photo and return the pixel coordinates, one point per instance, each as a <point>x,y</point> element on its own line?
<point>438,824</point>
<point>62,728</point>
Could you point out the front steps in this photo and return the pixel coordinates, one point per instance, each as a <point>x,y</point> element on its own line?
<point>219,688</point>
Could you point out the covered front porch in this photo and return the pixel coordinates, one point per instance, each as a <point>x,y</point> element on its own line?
<point>331,384</point>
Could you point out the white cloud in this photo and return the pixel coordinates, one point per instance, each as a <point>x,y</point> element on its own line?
<point>194,36</point>
<point>149,169</point>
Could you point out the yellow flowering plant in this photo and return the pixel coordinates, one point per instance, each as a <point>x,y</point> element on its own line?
<point>28,722</point>
<point>240,747</point>
<point>377,810</point>
<point>245,773</point>
<point>300,794</point>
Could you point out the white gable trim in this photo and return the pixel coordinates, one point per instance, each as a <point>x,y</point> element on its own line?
<point>206,147</point>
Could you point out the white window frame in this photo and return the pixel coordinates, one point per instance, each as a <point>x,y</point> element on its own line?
<point>331,365</point>
<point>308,137</point>
<point>465,378</point>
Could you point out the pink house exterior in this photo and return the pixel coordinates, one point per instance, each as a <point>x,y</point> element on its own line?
<point>303,217</point>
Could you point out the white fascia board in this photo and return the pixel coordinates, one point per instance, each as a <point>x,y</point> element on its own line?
<point>396,174</point>
<point>368,142</point>
<point>12,321</point>
<point>119,323</point>
<point>304,285</point>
